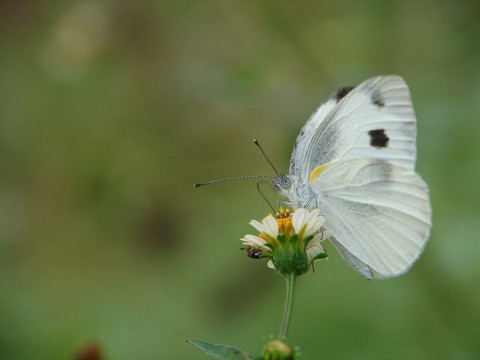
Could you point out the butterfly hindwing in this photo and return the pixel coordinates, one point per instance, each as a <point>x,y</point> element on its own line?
<point>379,212</point>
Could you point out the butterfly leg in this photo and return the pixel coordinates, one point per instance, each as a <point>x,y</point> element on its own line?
<point>284,202</point>
<point>314,199</point>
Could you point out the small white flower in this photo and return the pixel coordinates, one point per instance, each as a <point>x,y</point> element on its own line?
<point>289,238</point>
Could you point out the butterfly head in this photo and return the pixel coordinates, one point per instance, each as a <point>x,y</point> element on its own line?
<point>282,184</point>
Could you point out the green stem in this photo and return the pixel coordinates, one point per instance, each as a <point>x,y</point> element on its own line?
<point>288,306</point>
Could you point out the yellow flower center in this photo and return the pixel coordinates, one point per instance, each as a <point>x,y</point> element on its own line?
<point>285,226</point>
<point>284,221</point>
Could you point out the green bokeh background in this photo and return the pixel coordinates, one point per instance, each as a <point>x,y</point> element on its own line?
<point>110,111</point>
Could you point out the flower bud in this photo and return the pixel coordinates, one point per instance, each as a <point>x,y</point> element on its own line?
<point>277,350</point>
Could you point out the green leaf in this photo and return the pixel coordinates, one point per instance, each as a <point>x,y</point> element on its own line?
<point>221,352</point>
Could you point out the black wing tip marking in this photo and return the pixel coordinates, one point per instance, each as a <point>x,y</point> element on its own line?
<point>377,99</point>
<point>378,138</point>
<point>342,92</point>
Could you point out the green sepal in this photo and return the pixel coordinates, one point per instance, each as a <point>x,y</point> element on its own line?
<point>282,238</point>
<point>221,352</point>
<point>320,256</point>
<point>269,245</point>
<point>293,241</point>
<point>307,240</point>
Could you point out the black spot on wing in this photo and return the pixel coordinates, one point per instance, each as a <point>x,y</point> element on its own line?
<point>378,138</point>
<point>342,92</point>
<point>377,99</point>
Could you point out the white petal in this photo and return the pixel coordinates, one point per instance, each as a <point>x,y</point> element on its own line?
<point>314,246</point>
<point>327,234</point>
<point>297,219</point>
<point>316,239</point>
<point>322,235</point>
<point>271,226</point>
<point>270,264</point>
<point>256,242</point>
<point>314,251</point>
<point>314,222</point>
<point>258,226</point>
<point>253,240</point>
<point>314,226</point>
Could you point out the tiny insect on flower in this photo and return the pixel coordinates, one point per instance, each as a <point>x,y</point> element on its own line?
<point>291,241</point>
<point>252,252</point>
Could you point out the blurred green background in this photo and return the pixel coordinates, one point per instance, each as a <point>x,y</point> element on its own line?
<point>110,111</point>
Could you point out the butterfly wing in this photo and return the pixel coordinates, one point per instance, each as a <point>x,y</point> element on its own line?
<point>300,147</point>
<point>379,213</point>
<point>373,120</point>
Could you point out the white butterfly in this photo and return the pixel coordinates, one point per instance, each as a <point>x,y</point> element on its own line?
<point>354,159</point>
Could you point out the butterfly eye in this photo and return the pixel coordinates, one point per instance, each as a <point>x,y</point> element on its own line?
<point>286,182</point>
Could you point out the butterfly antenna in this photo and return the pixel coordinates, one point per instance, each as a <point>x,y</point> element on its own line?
<point>263,195</point>
<point>255,141</point>
<point>236,178</point>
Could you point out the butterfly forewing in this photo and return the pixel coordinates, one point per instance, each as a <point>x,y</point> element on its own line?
<point>312,125</point>
<point>373,120</point>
